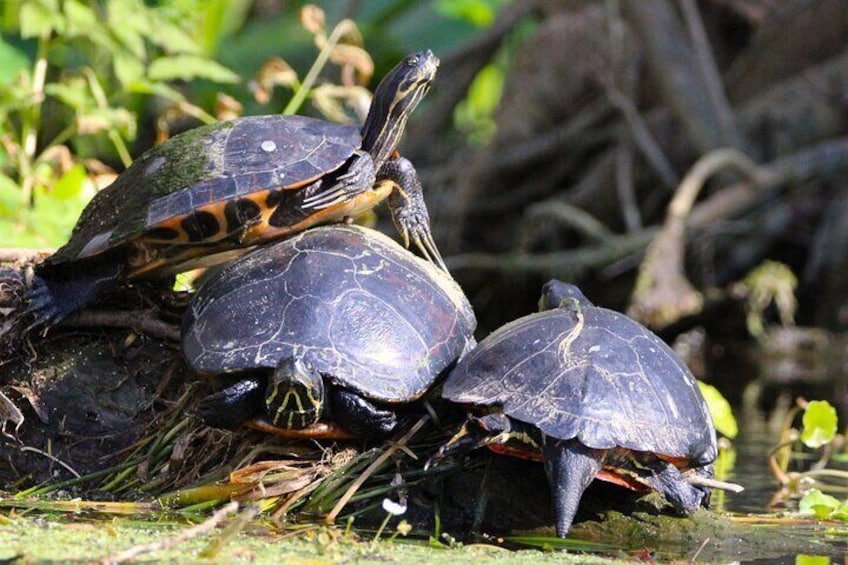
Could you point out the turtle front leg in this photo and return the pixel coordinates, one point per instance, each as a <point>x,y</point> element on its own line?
<point>409,212</point>
<point>356,178</point>
<point>359,416</point>
<point>232,406</point>
<point>571,467</point>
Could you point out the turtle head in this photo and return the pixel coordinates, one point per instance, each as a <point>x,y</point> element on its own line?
<point>294,398</point>
<point>557,294</point>
<point>396,97</point>
<point>495,430</point>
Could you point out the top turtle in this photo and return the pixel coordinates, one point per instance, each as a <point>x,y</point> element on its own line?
<point>234,184</point>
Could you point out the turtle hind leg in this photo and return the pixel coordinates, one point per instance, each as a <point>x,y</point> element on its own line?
<point>359,416</point>
<point>55,295</point>
<point>667,479</point>
<point>571,467</point>
<point>355,178</point>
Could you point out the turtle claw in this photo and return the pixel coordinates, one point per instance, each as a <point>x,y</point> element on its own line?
<point>424,242</point>
<point>326,199</point>
<point>360,176</point>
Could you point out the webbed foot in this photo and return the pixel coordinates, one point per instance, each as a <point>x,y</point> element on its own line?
<point>409,212</point>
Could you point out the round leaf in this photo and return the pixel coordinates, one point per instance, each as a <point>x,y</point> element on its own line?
<point>723,419</point>
<point>817,503</point>
<point>819,424</point>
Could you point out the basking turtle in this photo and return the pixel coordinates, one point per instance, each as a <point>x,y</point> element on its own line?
<point>592,393</point>
<point>338,322</point>
<point>235,184</point>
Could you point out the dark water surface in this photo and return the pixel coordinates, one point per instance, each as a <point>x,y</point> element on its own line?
<point>761,504</point>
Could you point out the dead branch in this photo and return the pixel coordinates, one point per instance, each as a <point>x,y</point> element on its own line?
<point>663,294</point>
<point>189,533</point>
<point>142,321</point>
<point>824,159</point>
<point>675,67</point>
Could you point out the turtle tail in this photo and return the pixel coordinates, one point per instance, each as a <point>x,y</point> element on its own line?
<point>571,467</point>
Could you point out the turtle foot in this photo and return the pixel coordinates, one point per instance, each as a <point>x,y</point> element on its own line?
<point>409,212</point>
<point>232,406</point>
<point>359,416</point>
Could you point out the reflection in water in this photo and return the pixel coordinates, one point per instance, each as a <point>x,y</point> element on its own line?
<point>750,468</point>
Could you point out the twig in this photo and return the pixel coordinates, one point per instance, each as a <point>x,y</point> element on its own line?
<point>142,321</point>
<point>585,224</point>
<point>709,71</point>
<point>372,468</point>
<point>699,481</point>
<point>670,56</point>
<point>700,549</point>
<point>20,255</point>
<point>624,185</point>
<point>642,137</point>
<point>53,458</point>
<point>663,294</point>
<point>187,534</point>
<point>231,531</point>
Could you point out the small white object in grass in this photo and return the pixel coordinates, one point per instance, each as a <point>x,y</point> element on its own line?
<point>394,508</point>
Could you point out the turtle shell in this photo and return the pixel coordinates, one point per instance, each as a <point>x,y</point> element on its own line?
<point>206,183</point>
<point>610,383</point>
<point>365,312</point>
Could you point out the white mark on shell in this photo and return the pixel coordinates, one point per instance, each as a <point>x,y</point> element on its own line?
<point>154,165</point>
<point>268,146</point>
<point>594,349</point>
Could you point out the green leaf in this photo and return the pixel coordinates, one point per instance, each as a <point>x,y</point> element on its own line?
<point>841,513</point>
<point>12,62</point>
<point>187,67</point>
<point>40,17</point>
<point>817,503</point>
<point>10,196</point>
<point>128,68</point>
<point>723,419</point>
<point>130,22</point>
<point>70,185</point>
<point>475,114</point>
<point>171,37</point>
<point>812,560</point>
<point>819,423</point>
<point>157,88</point>
<point>81,19</point>
<point>73,93</point>
<point>480,13</point>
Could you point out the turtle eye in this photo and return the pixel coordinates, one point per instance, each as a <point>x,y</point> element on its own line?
<point>411,60</point>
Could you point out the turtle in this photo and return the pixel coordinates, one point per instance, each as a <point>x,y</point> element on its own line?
<point>593,394</point>
<point>338,322</point>
<point>210,193</point>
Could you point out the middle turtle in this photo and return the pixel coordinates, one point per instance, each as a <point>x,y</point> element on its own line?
<point>338,322</point>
